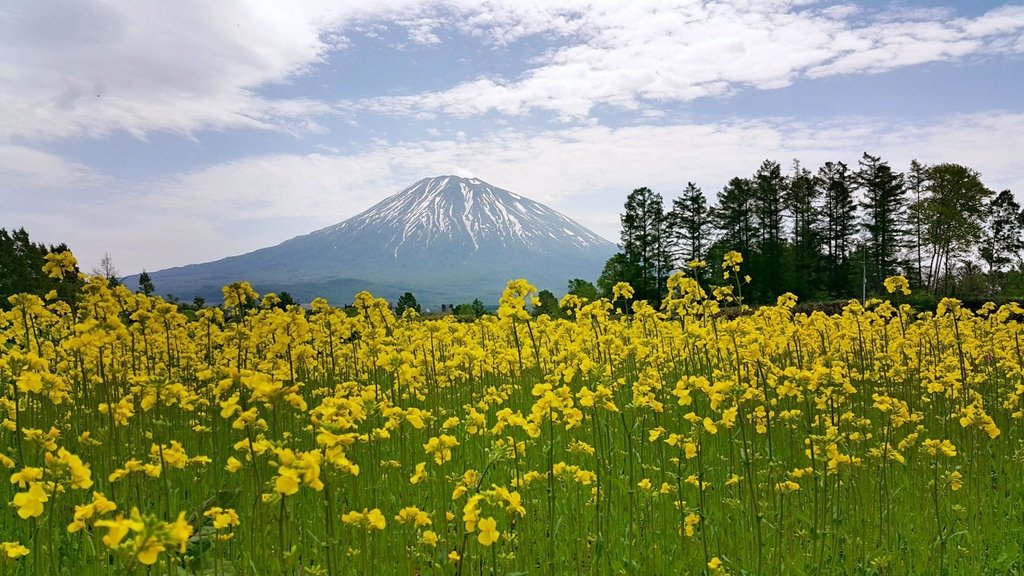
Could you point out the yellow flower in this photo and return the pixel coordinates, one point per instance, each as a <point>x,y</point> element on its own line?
<point>13,550</point>
<point>287,482</point>
<point>428,538</point>
<point>149,550</point>
<point>709,425</point>
<point>375,519</point>
<point>179,532</point>
<point>622,290</point>
<point>691,520</point>
<point>894,283</point>
<point>118,528</point>
<point>222,518</point>
<point>26,475</point>
<point>488,531</point>
<point>420,474</point>
<point>30,504</point>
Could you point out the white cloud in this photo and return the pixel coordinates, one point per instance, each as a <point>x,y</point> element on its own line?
<point>637,54</point>
<point>25,168</point>
<point>89,69</point>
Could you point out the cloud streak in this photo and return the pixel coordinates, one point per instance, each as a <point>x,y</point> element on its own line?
<point>90,69</point>
<point>645,53</point>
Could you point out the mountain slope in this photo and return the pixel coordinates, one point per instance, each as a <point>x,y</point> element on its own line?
<point>445,239</point>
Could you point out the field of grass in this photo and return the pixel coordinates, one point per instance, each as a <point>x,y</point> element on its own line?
<point>255,440</point>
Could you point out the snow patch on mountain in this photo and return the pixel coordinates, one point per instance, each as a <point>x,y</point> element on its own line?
<point>451,208</point>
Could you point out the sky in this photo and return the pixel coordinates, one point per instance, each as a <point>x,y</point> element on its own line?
<point>169,133</point>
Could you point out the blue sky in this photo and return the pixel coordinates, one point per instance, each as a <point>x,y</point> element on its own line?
<point>168,133</point>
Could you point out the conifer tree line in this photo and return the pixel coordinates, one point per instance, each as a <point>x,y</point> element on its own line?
<point>832,233</point>
<point>21,268</point>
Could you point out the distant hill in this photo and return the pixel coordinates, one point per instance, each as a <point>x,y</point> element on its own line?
<point>445,239</point>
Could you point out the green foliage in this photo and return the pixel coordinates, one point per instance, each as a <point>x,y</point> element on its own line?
<point>645,244</point>
<point>146,284</point>
<point>406,302</point>
<point>21,264</point>
<point>547,304</point>
<point>583,289</point>
<point>615,270</point>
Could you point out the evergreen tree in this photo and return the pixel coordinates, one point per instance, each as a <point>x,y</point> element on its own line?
<point>917,192</point>
<point>766,264</point>
<point>1003,237</point>
<point>690,222</point>
<point>146,284</point>
<point>801,198</point>
<point>477,308</point>
<point>834,185</point>
<point>733,216</point>
<point>884,204</point>
<point>406,302</point>
<point>21,269</point>
<point>645,244</point>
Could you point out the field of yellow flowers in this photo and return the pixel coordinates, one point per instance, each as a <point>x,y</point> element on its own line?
<point>254,440</point>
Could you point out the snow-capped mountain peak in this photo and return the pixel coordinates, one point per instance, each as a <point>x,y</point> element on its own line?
<point>466,212</point>
<point>447,239</point>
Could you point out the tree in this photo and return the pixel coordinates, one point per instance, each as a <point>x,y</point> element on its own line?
<point>146,286</point>
<point>478,308</point>
<point>917,190</point>
<point>21,269</point>
<point>884,205</point>
<point>547,304</point>
<point>615,270</point>
<point>690,224</point>
<point>801,197</point>
<point>645,244</point>
<point>108,270</point>
<point>766,264</point>
<point>406,302</point>
<point>583,289</point>
<point>733,216</point>
<point>839,211</point>
<point>285,299</point>
<point>1002,242</point>
<point>951,216</point>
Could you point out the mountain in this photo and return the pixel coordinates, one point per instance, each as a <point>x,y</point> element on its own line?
<point>445,239</point>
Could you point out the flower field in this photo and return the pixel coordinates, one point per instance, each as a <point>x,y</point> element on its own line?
<point>248,439</point>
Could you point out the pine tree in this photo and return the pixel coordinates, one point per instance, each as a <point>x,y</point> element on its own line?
<point>645,244</point>
<point>690,222</point>
<point>884,204</point>
<point>801,196</point>
<point>146,284</point>
<point>767,265</point>
<point>1003,238</point>
<point>733,216</point>
<point>406,302</point>
<point>917,192</point>
<point>833,183</point>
